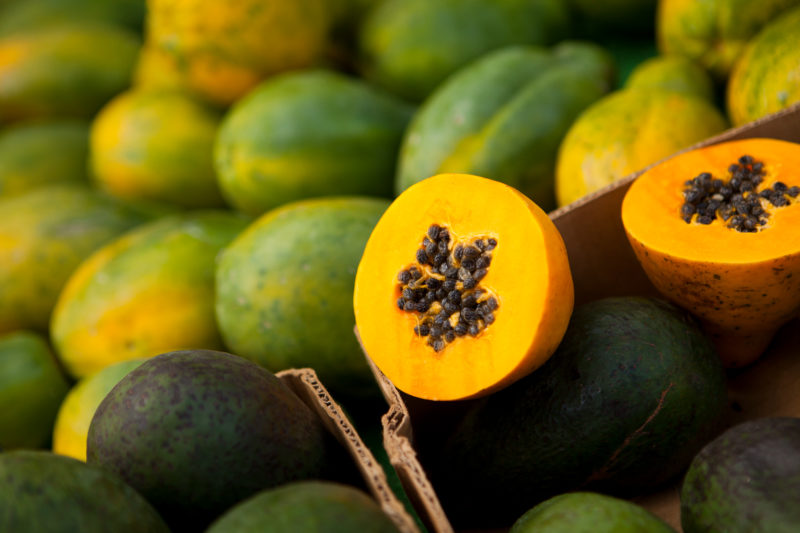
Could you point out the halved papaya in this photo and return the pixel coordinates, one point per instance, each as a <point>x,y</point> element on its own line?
<point>463,288</point>
<point>715,229</point>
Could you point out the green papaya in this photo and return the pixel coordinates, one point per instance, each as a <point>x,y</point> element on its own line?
<point>503,117</point>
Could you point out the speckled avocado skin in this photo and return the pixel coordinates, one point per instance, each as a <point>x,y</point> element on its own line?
<point>633,391</point>
<point>197,431</point>
<point>745,480</point>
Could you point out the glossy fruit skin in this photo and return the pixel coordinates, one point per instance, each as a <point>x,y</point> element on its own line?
<point>745,480</point>
<point>308,134</point>
<point>44,235</point>
<point>196,431</point>
<point>306,507</point>
<point>588,512</point>
<point>713,33</point>
<point>284,289</point>
<point>764,80</point>
<point>156,145</point>
<point>32,386</point>
<point>504,115</point>
<point>43,491</point>
<point>64,71</point>
<point>220,51</point>
<point>411,46</point>
<point>633,392</point>
<point>79,405</point>
<point>149,291</point>
<point>39,153</point>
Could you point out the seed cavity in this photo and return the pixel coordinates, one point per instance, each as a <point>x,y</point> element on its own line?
<point>738,201</point>
<point>443,287</point>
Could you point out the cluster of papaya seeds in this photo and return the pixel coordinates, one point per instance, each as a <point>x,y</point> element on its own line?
<point>438,301</point>
<point>713,228</point>
<point>632,393</point>
<point>191,459</point>
<point>745,480</point>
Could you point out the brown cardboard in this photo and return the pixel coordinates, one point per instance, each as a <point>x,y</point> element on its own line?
<point>603,264</point>
<point>306,385</point>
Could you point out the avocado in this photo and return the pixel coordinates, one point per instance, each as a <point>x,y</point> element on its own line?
<point>196,431</point>
<point>633,391</point>
<point>48,493</point>
<point>588,512</point>
<point>306,507</point>
<point>746,480</point>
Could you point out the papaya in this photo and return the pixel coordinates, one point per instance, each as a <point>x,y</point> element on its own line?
<point>148,291</point>
<point>715,231</point>
<point>633,392</point>
<point>68,70</point>
<point>504,115</point>
<point>766,78</point>
<point>156,145</point>
<point>32,387</point>
<point>409,47</point>
<point>75,413</point>
<point>44,235</point>
<point>588,512</point>
<point>745,480</point>
<point>42,152</point>
<point>197,431</point>
<point>714,33</point>
<point>632,128</point>
<point>306,134</point>
<point>284,289</point>
<point>306,507</point>
<point>43,491</point>
<point>223,50</point>
<point>25,15</point>
<point>673,73</point>
<point>156,69</point>
<point>438,303</point>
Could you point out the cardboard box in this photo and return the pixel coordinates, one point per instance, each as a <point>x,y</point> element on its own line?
<point>306,385</point>
<point>603,264</point>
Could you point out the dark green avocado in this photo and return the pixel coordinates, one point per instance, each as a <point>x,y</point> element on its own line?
<point>746,480</point>
<point>197,431</point>
<point>631,394</point>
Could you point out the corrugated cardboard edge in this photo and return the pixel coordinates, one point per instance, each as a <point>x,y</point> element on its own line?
<point>305,383</point>
<point>591,280</point>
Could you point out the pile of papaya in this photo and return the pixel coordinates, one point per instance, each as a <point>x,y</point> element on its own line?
<point>196,195</point>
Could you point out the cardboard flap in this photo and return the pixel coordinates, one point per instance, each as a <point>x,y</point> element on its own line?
<point>306,385</point>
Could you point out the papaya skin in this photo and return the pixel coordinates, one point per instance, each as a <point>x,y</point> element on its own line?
<point>531,318</point>
<point>742,286</point>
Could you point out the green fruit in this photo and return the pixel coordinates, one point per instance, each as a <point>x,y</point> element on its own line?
<point>588,512</point>
<point>285,289</point>
<point>49,493</point>
<point>31,389</point>
<point>26,15</point>
<point>76,411</point>
<point>39,153</point>
<point>149,291</point>
<point>411,46</point>
<point>156,145</point>
<point>306,507</point>
<point>503,117</point>
<point>306,134</point>
<point>747,479</point>
<point>198,431</point>
<point>68,70</point>
<point>672,73</point>
<point>633,391</point>
<point>44,235</point>
<point>766,78</point>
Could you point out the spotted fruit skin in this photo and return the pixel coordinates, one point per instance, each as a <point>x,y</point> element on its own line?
<point>713,32</point>
<point>766,78</point>
<point>223,49</point>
